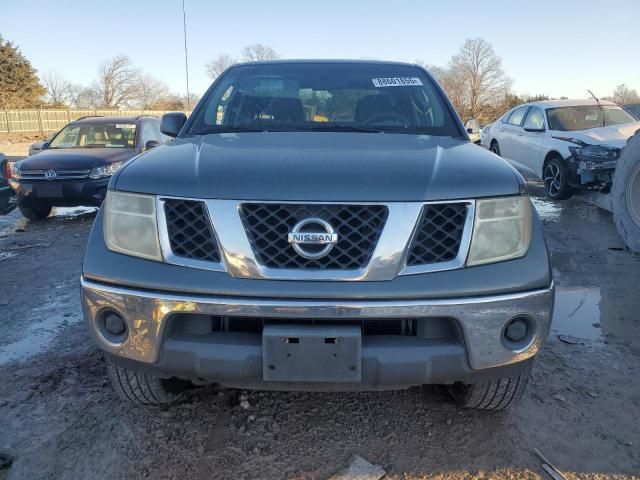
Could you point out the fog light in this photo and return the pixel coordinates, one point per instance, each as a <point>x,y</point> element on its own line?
<point>114,324</point>
<point>516,331</point>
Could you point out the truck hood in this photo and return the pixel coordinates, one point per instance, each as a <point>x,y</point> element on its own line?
<point>612,136</point>
<point>319,166</point>
<point>81,158</point>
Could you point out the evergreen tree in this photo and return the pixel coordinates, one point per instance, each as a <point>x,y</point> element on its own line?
<point>19,84</point>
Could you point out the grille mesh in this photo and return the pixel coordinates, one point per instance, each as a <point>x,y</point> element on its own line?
<point>358,228</point>
<point>439,234</point>
<point>190,232</point>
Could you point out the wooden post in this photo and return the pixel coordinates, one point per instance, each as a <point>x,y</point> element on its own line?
<point>6,114</point>
<point>40,120</point>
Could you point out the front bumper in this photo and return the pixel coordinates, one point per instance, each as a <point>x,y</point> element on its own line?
<point>87,192</point>
<point>393,361</point>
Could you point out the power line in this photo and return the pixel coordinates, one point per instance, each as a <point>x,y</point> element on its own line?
<point>186,58</point>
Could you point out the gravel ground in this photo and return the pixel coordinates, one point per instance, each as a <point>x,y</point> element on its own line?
<point>59,417</point>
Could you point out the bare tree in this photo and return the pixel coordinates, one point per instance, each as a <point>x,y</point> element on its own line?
<point>257,52</point>
<point>477,78</point>
<point>151,93</point>
<point>623,95</point>
<point>118,82</point>
<point>219,64</point>
<point>60,91</point>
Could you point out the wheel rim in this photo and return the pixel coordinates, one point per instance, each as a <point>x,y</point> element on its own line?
<point>633,195</point>
<point>552,179</point>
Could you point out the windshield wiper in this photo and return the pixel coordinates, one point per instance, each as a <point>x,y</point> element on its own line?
<point>229,129</point>
<point>339,128</point>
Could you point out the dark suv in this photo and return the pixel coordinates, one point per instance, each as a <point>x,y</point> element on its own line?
<point>74,168</point>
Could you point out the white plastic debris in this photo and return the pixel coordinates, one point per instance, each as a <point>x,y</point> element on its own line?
<point>359,469</point>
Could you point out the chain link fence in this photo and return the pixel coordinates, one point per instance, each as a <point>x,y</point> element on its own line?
<point>33,121</point>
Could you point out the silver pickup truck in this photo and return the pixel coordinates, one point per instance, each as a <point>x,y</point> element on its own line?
<point>318,225</point>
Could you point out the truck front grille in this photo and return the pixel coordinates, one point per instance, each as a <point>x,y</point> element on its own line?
<point>358,227</point>
<point>189,229</point>
<point>439,233</point>
<point>61,174</point>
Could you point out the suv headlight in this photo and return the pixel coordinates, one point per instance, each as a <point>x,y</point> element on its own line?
<point>14,170</point>
<point>501,230</point>
<point>105,170</point>
<point>130,225</point>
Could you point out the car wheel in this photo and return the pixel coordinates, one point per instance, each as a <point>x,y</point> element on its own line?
<point>144,389</point>
<point>625,194</point>
<point>491,395</point>
<point>38,212</point>
<point>556,179</point>
<point>495,148</point>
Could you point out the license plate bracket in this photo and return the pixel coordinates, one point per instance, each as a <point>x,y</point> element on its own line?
<point>49,191</point>
<point>311,353</point>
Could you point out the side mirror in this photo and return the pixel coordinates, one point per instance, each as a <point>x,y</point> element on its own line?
<point>151,144</point>
<point>172,123</point>
<point>538,130</point>
<point>45,145</point>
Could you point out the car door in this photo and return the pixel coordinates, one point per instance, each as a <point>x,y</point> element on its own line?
<point>510,133</point>
<point>530,141</point>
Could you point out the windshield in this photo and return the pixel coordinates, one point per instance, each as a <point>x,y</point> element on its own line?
<point>103,135</point>
<point>584,117</point>
<point>324,97</point>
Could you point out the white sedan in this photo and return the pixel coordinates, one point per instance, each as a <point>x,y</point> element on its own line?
<point>569,144</point>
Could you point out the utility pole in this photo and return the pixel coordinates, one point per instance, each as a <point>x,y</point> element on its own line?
<point>186,58</point>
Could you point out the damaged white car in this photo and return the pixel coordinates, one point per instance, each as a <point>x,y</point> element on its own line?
<point>577,145</point>
<point>570,144</point>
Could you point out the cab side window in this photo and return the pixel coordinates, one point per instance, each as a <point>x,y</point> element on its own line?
<point>517,116</point>
<point>535,119</point>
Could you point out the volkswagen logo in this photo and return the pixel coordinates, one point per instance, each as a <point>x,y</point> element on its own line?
<point>50,174</point>
<point>313,238</point>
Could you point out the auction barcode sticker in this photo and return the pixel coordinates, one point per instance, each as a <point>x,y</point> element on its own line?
<point>396,82</point>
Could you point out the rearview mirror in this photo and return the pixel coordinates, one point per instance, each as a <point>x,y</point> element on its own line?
<point>172,123</point>
<point>45,145</point>
<point>151,144</point>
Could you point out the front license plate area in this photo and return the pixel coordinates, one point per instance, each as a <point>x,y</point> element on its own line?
<point>49,191</point>
<point>305,353</point>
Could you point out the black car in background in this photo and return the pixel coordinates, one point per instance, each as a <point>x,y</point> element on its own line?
<point>74,168</point>
<point>7,202</point>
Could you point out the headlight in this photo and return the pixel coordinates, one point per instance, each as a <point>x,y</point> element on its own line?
<point>15,171</point>
<point>130,225</point>
<point>501,230</point>
<point>105,170</point>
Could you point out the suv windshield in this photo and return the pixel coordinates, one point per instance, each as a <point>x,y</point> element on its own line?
<point>103,135</point>
<point>360,97</point>
<point>584,117</point>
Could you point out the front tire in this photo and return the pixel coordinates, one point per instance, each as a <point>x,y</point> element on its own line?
<point>556,179</point>
<point>37,212</point>
<point>491,395</point>
<point>495,147</point>
<point>144,389</point>
<point>625,194</point>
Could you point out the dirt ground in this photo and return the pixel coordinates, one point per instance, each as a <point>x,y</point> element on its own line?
<point>59,417</point>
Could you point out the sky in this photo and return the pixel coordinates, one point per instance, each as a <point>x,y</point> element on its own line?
<point>558,48</point>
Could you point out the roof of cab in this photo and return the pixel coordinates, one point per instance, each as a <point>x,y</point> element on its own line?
<point>326,61</point>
